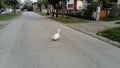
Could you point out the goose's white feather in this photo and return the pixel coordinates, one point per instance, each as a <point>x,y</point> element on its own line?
<point>56,36</point>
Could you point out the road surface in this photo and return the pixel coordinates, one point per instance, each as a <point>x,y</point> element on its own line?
<point>26,43</point>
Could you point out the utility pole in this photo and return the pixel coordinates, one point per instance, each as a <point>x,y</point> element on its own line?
<point>14,6</point>
<point>98,13</point>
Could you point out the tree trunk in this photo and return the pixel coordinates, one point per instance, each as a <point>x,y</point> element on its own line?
<point>14,8</point>
<point>56,12</point>
<point>48,11</point>
<point>46,7</point>
<point>62,9</point>
<point>40,8</point>
<point>52,11</point>
<point>57,9</point>
<point>62,12</point>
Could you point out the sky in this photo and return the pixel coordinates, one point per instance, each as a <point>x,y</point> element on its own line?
<point>30,0</point>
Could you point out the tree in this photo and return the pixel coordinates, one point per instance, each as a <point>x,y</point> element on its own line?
<point>93,5</point>
<point>56,5</point>
<point>45,3</point>
<point>1,4</point>
<point>12,3</point>
<point>107,3</point>
<point>39,4</point>
<point>63,7</point>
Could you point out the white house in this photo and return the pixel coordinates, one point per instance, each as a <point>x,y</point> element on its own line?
<point>74,6</point>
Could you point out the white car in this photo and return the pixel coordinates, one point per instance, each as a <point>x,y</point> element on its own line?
<point>18,10</point>
<point>8,10</point>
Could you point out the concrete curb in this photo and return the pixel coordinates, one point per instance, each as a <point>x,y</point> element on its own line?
<point>9,21</point>
<point>96,36</point>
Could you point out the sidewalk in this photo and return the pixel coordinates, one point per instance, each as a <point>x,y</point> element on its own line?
<point>4,23</point>
<point>93,27</point>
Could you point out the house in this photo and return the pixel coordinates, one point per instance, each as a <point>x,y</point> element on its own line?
<point>76,6</point>
<point>73,6</point>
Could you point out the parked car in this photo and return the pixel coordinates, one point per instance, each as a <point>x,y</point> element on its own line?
<point>18,10</point>
<point>8,10</point>
<point>1,10</point>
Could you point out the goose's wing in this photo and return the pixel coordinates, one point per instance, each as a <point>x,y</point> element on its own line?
<point>56,36</point>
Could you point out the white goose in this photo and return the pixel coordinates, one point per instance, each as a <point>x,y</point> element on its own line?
<point>56,36</point>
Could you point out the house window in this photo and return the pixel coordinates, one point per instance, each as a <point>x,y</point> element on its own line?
<point>70,5</point>
<point>89,1</point>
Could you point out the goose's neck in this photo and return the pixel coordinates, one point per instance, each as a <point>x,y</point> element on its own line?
<point>58,31</point>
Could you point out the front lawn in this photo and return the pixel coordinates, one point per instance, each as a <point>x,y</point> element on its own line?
<point>5,17</point>
<point>113,33</point>
<point>68,19</point>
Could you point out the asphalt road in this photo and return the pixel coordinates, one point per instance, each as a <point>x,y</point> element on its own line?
<point>26,43</point>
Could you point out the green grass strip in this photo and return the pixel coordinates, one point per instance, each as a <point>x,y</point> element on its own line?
<point>113,33</point>
<point>5,17</point>
<point>117,22</point>
<point>111,19</point>
<point>68,19</point>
